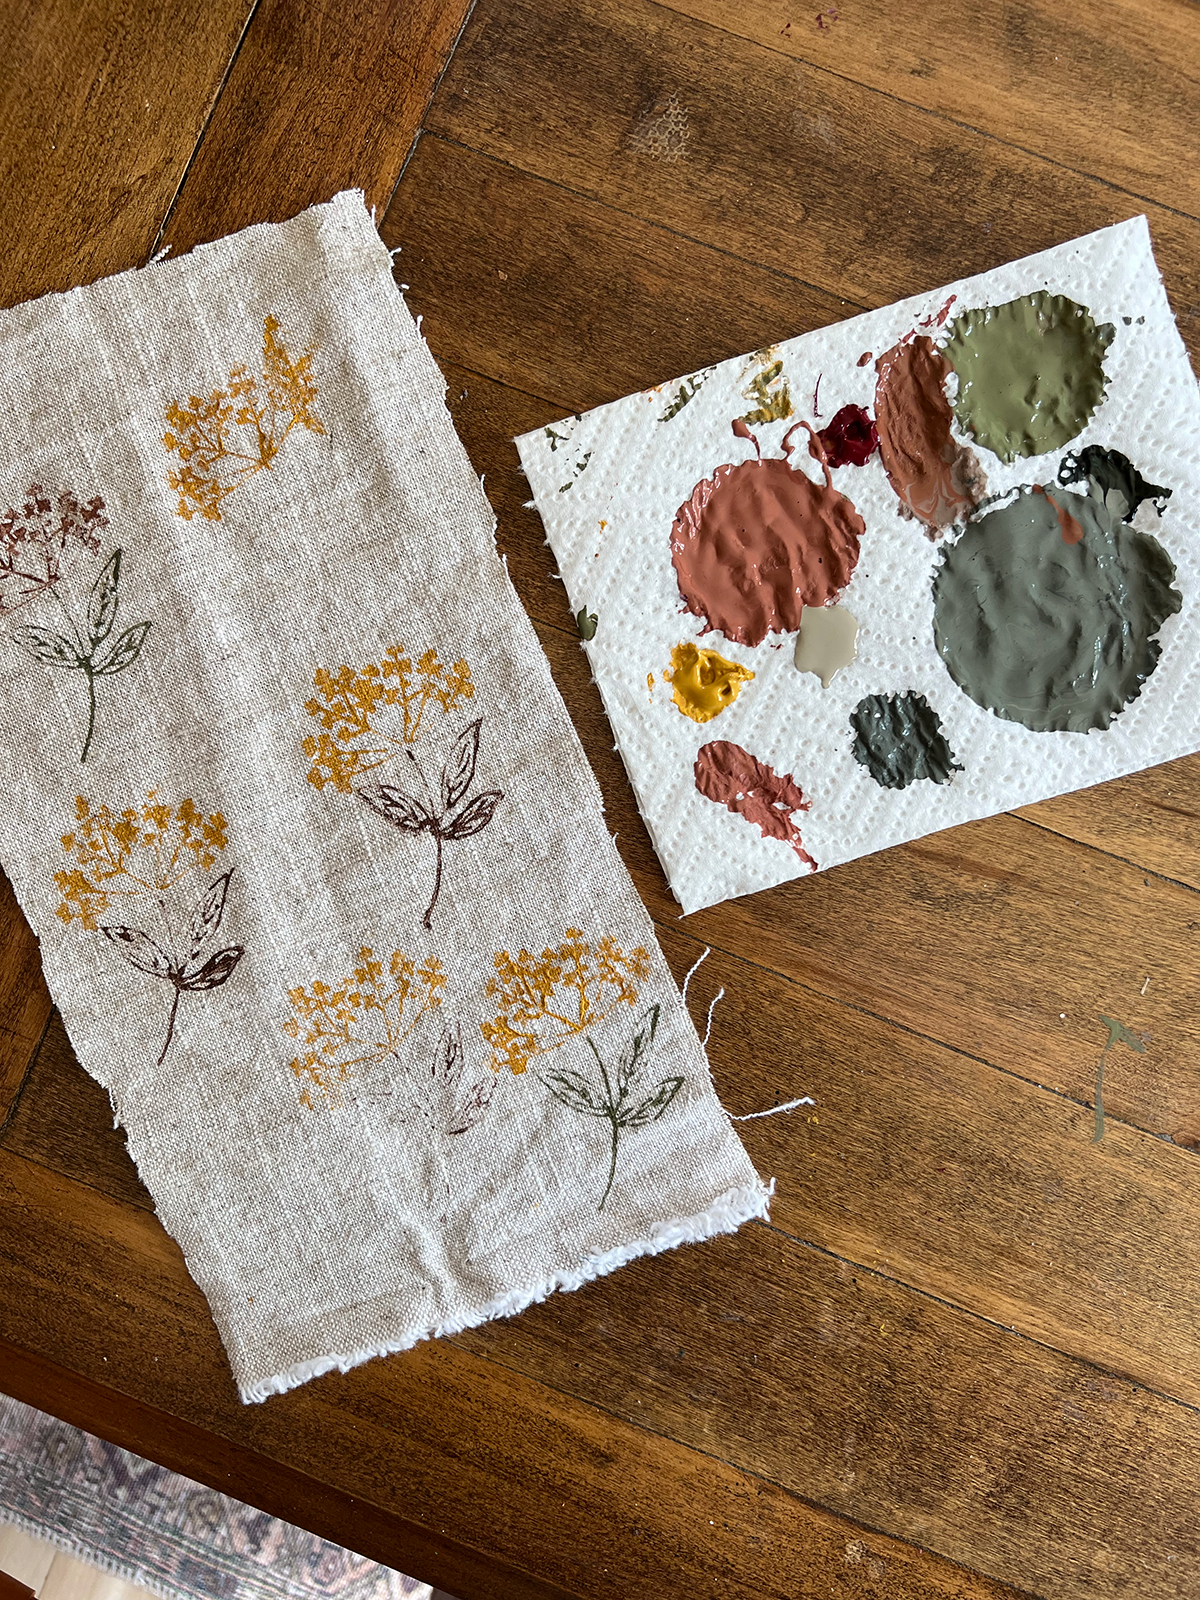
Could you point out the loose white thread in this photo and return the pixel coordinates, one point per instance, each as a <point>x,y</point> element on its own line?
<point>712,1006</point>
<point>700,962</point>
<point>158,256</point>
<point>805,1100</point>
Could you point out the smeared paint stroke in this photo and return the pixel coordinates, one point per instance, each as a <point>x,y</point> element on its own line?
<point>1030,372</point>
<point>1113,479</point>
<point>1118,1033</point>
<point>827,641</point>
<point>936,479</point>
<point>849,440</point>
<point>863,359</point>
<point>816,392</point>
<point>732,777</point>
<point>759,541</point>
<point>938,319</point>
<point>769,389</point>
<point>899,739</point>
<point>686,393</point>
<point>1071,530</point>
<point>703,684</point>
<point>1059,637</point>
<point>580,468</point>
<point>587,622</point>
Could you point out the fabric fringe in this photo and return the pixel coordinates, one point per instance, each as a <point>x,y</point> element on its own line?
<point>725,1215</point>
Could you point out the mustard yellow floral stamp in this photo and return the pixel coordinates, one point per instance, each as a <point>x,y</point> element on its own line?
<point>370,717</point>
<point>223,439</point>
<point>143,864</point>
<point>546,1002</point>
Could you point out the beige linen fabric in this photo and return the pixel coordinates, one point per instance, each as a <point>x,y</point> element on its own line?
<point>368,1113</point>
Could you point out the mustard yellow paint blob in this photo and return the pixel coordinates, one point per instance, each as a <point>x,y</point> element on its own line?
<point>650,682</point>
<point>703,683</point>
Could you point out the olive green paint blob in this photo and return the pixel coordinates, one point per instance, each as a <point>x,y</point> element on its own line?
<point>1030,372</point>
<point>1058,637</point>
<point>899,738</point>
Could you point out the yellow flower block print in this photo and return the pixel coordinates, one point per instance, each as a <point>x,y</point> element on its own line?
<point>357,1021</point>
<point>222,441</point>
<point>703,684</point>
<point>142,851</point>
<point>351,706</point>
<point>543,1002</point>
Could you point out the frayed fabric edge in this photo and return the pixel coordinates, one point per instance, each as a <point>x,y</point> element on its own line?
<point>725,1215</point>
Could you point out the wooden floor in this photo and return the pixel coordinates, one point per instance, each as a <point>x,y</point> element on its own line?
<point>969,1334</point>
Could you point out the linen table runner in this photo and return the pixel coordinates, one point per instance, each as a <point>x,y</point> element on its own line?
<point>319,870</point>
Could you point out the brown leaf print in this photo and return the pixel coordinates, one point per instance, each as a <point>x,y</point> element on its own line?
<point>146,859</point>
<point>734,778</point>
<point>222,441</point>
<point>543,1002</point>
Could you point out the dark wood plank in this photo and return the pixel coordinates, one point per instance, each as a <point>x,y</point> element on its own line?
<point>786,166</point>
<point>24,998</point>
<point>321,98</point>
<point>479,1458</point>
<point>1105,86</point>
<point>101,105</point>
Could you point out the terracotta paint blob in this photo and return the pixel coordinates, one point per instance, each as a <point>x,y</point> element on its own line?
<point>734,778</point>
<point>703,684</point>
<point>759,541</point>
<point>1057,636</point>
<point>899,738</point>
<point>863,359</point>
<point>849,440</point>
<point>1030,372</point>
<point>1071,530</point>
<point>1112,479</point>
<point>827,641</point>
<point>936,479</point>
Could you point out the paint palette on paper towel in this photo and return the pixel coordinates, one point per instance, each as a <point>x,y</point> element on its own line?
<point>929,564</point>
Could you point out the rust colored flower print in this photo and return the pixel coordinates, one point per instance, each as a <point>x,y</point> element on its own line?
<point>144,862</point>
<point>38,547</point>
<point>372,716</point>
<point>348,1028</point>
<point>223,439</point>
<point>544,1002</point>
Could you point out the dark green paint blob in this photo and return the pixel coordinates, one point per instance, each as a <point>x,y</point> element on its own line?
<point>899,738</point>
<point>1058,637</point>
<point>1030,372</point>
<point>1112,478</point>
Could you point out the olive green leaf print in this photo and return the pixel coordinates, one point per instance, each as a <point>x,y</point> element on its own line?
<point>38,546</point>
<point>619,1096</point>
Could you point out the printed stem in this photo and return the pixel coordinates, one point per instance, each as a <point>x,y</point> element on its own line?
<point>91,683</point>
<point>1099,1133</point>
<point>612,1165</point>
<point>170,1027</point>
<point>437,882</point>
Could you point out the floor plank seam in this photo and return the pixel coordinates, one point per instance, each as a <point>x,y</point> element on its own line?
<point>429,99</point>
<point>1110,855</point>
<point>978,1316</point>
<point>212,111</point>
<point>11,1113</point>
<point>927,111</point>
<point>837,1515</point>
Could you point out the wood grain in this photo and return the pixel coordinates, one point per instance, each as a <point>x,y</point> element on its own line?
<point>605,1504</point>
<point>101,105</point>
<point>321,98</point>
<point>24,998</point>
<point>1104,86</point>
<point>784,166</point>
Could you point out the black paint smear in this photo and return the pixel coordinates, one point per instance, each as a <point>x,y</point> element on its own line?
<point>899,738</point>
<point>1109,472</point>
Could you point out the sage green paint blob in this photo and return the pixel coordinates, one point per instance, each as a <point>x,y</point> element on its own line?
<point>1058,637</point>
<point>1030,372</point>
<point>1118,1033</point>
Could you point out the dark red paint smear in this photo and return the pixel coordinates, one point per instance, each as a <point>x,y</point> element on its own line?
<point>759,541</point>
<point>849,440</point>
<point>733,777</point>
<point>1071,530</point>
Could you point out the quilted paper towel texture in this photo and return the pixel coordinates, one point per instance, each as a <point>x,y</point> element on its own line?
<point>319,870</point>
<point>611,486</point>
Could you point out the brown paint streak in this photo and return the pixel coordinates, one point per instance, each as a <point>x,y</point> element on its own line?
<point>759,541</point>
<point>1071,530</point>
<point>937,480</point>
<point>734,778</point>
